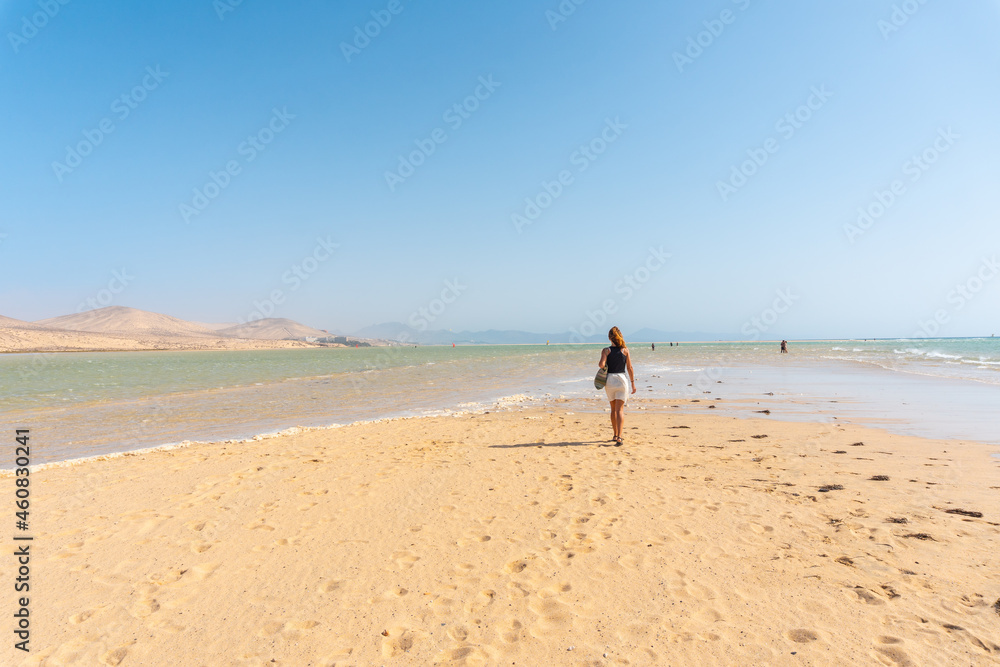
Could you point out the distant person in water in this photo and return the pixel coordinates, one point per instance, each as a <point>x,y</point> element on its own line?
<point>784,346</point>
<point>617,360</point>
<point>654,346</point>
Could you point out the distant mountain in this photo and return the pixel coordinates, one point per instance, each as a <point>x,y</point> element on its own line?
<point>388,331</point>
<point>11,323</point>
<point>128,321</point>
<point>216,326</point>
<point>272,328</point>
<point>407,334</point>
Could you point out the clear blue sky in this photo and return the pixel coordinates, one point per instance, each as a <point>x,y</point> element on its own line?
<point>681,128</point>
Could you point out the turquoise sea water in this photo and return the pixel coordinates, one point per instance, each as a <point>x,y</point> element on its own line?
<point>84,404</point>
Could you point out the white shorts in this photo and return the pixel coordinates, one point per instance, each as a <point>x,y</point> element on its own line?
<point>618,388</point>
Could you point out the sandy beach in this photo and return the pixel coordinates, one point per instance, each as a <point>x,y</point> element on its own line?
<point>523,537</point>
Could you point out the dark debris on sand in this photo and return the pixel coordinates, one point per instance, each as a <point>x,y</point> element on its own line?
<point>890,591</point>
<point>830,487</point>
<point>976,515</point>
<point>996,606</point>
<point>858,444</point>
<point>759,436</point>
<point>920,536</point>
<point>763,412</point>
<point>897,519</point>
<point>879,478</point>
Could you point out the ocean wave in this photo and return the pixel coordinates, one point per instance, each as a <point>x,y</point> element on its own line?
<point>942,355</point>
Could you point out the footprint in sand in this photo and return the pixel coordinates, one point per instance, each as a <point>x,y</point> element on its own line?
<point>114,656</point>
<point>714,552</point>
<point>517,590</point>
<point>512,631</point>
<point>200,547</point>
<point>77,619</point>
<point>168,577</point>
<point>631,561</point>
<point>330,586</point>
<point>405,559</point>
<point>167,626</point>
<point>892,655</point>
<point>481,600</point>
<point>802,636</point>
<point>398,640</point>
<point>553,616</point>
<point>554,590</point>
<point>291,630</point>
<point>462,655</point>
<point>864,595</point>
<point>442,606</point>
<point>204,570</point>
<point>514,567</point>
<point>464,569</point>
<point>143,608</point>
<point>258,525</point>
<point>336,658</point>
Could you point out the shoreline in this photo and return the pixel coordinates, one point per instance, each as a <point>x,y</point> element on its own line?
<point>254,393</point>
<point>524,536</point>
<point>513,403</point>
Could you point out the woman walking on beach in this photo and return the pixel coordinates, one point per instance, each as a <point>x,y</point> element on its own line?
<point>618,360</point>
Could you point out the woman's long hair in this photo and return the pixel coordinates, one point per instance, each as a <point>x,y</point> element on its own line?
<point>615,336</point>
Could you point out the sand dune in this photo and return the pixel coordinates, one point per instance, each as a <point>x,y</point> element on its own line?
<point>38,339</point>
<point>129,321</point>
<point>525,538</point>
<point>273,328</point>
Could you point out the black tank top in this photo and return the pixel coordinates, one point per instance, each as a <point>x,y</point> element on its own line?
<point>616,360</point>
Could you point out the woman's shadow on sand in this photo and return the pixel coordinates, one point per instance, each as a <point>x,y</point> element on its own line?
<point>592,443</point>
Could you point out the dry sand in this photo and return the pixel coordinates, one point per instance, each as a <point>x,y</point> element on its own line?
<point>522,538</point>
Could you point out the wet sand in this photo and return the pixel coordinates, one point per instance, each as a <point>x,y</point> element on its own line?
<point>523,537</point>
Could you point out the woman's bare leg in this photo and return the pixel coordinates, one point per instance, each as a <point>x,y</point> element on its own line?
<point>616,416</point>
